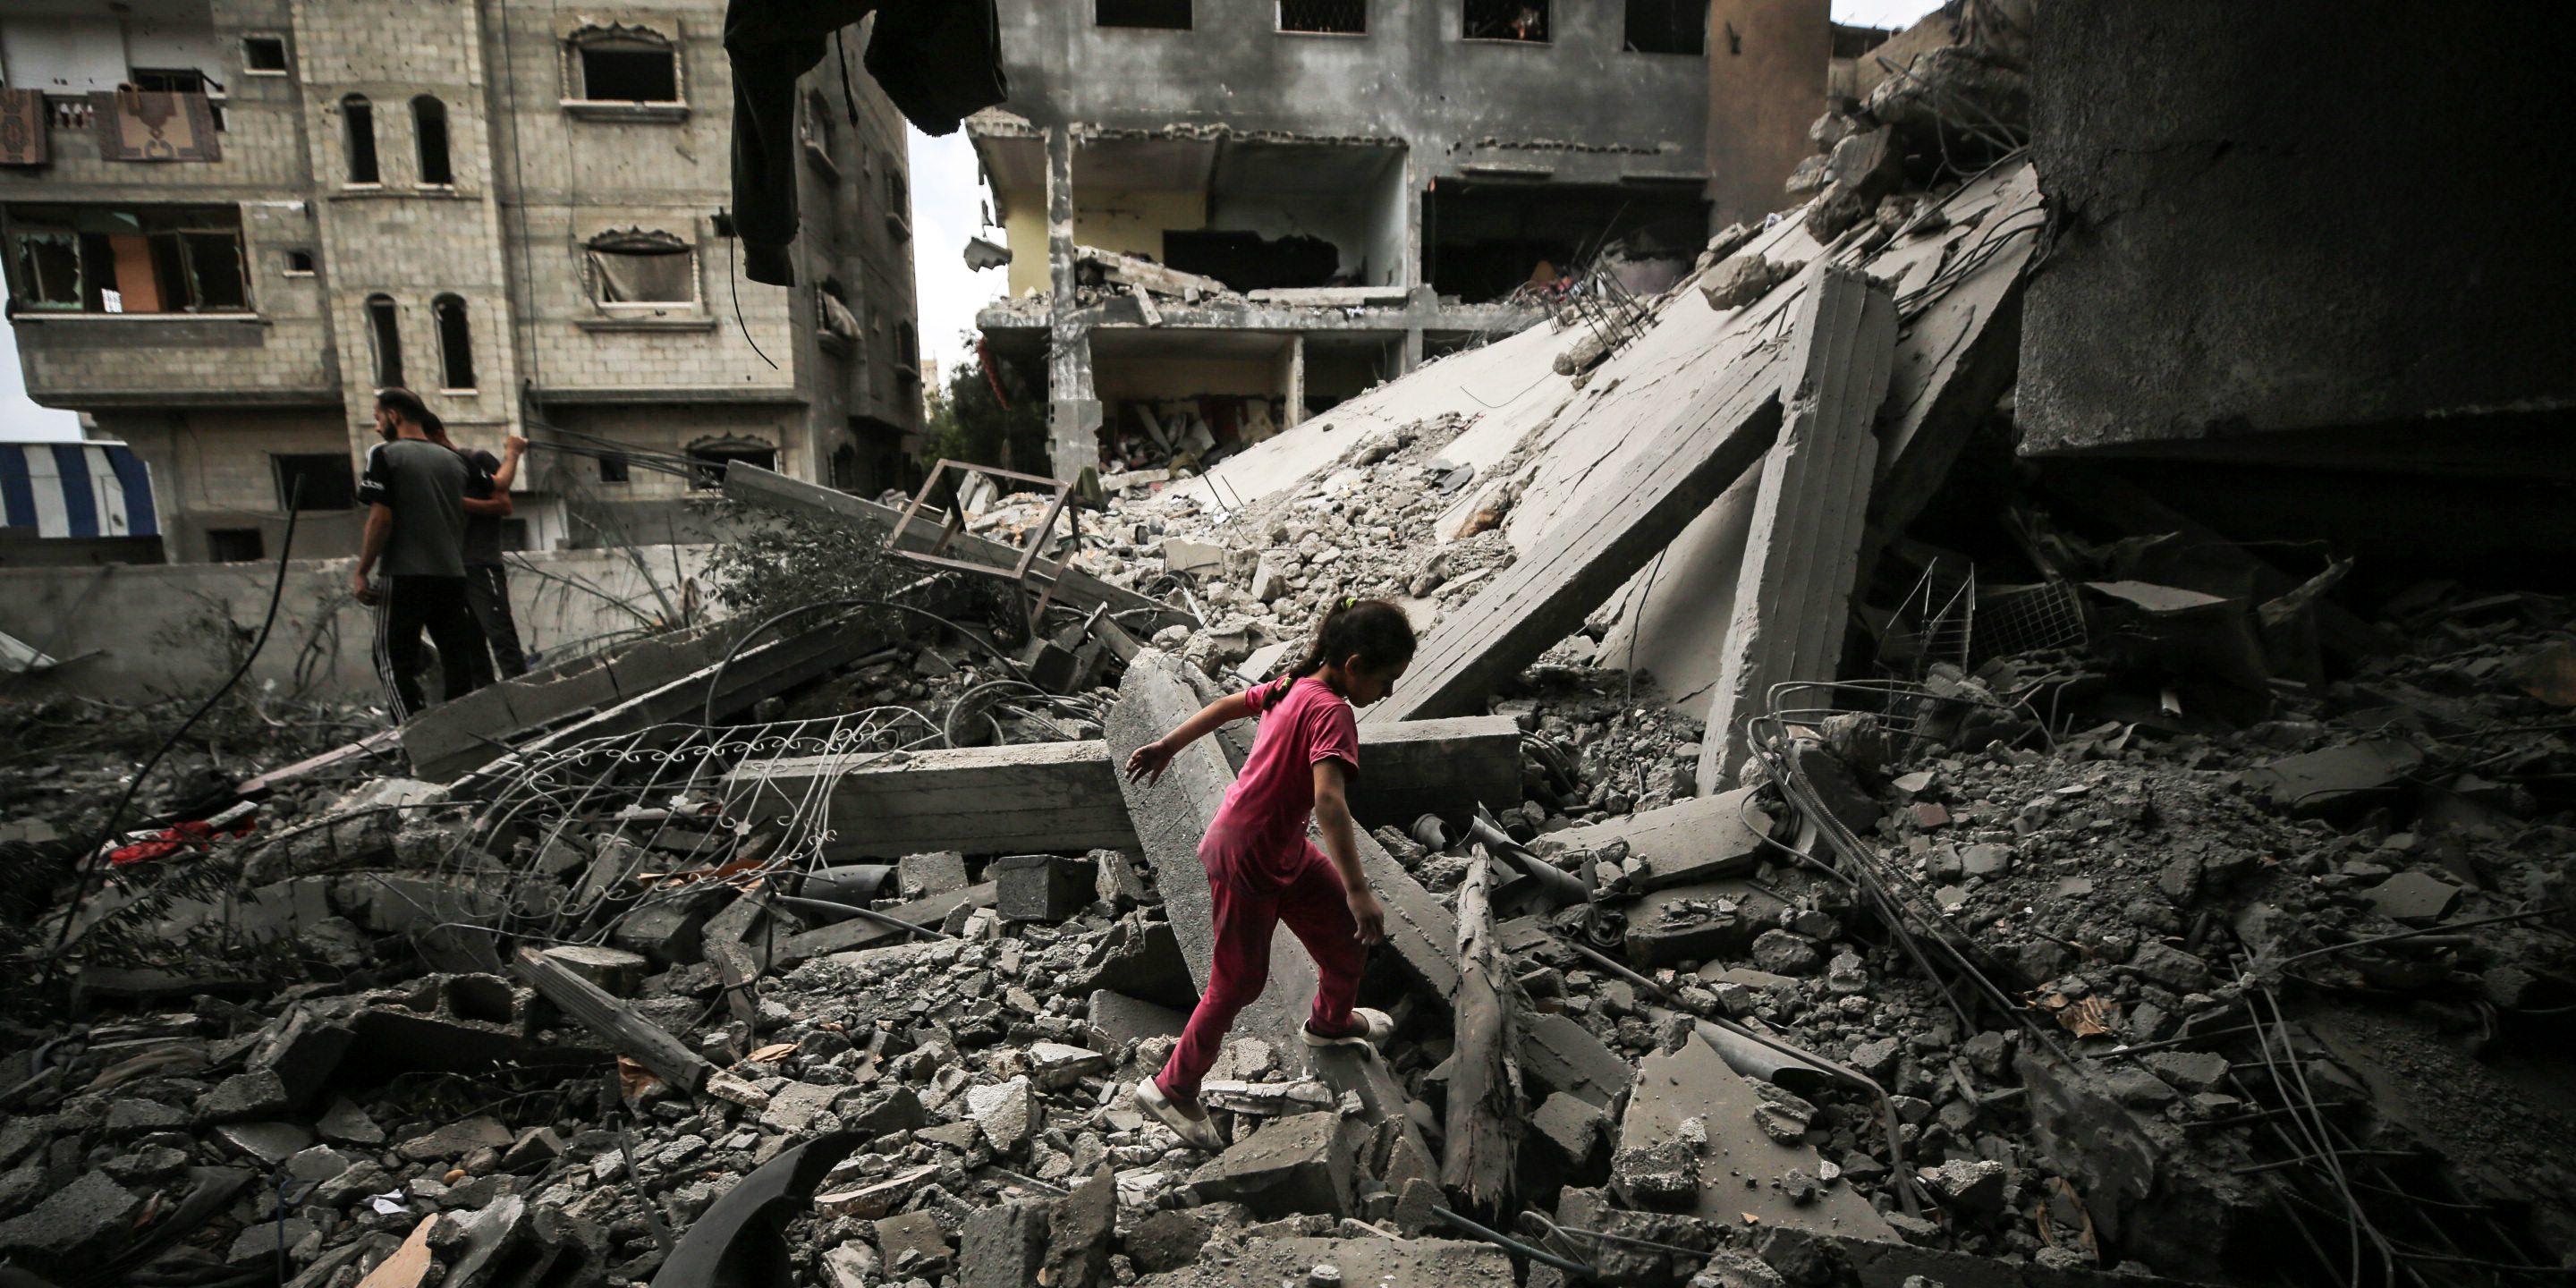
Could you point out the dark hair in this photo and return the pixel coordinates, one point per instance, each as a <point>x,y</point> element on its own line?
<point>1376,630</point>
<point>403,403</point>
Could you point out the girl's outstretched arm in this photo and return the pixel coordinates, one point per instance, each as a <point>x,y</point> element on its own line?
<point>1150,760</point>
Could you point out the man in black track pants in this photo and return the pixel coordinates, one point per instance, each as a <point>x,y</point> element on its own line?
<point>487,583</point>
<point>414,491</point>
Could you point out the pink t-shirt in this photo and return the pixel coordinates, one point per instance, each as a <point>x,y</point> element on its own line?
<point>1301,723</point>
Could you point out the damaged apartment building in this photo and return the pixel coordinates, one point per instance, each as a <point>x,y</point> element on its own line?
<point>227,222</point>
<point>1224,218</point>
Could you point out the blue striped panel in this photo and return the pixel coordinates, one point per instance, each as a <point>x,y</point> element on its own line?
<point>141,519</point>
<point>17,493</point>
<point>80,508</point>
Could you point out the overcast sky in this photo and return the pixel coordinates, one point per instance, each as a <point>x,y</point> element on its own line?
<point>948,207</point>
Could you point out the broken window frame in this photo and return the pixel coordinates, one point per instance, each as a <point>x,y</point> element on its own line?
<point>1628,27</point>
<point>358,152</point>
<point>194,252</point>
<point>621,40</point>
<point>1491,21</point>
<point>448,318</point>
<point>1145,15</point>
<point>384,337</point>
<point>637,243</point>
<point>1313,17</point>
<point>433,147</point>
<point>709,457</point>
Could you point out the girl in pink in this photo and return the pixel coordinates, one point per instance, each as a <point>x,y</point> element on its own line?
<point>1262,870</point>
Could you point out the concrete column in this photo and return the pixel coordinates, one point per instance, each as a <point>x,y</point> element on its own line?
<point>1293,379</point>
<point>1412,355</point>
<point>1073,410</point>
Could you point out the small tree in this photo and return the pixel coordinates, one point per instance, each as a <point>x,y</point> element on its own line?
<point>973,421</point>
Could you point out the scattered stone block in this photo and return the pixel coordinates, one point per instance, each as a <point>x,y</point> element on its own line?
<point>1167,1240</point>
<point>1117,1019</point>
<point>1006,1112</point>
<point>616,971</point>
<point>2318,781</point>
<point>271,1143</point>
<point>244,1096</point>
<point>2414,897</point>
<point>346,1123</point>
<point>1972,1186</point>
<point>457,1139</point>
<point>1041,887</point>
<point>1002,1247</point>
<point>79,1214</point>
<point>1295,1165</point>
<point>913,1245</point>
<point>1571,1131</point>
<point>1056,1065</point>
<point>919,876</point>
<point>2189,1070</point>
<point>1078,1231</point>
<point>873,1200</point>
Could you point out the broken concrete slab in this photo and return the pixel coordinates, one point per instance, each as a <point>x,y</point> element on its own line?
<point>1802,560</point>
<point>1691,1096</point>
<point>2414,897</point>
<point>1545,596</point>
<point>1003,1246</point>
<point>913,1244</point>
<point>1079,1227</point>
<point>1299,1164</point>
<point>1685,842</point>
<point>616,971</point>
<point>861,932</point>
<point>2318,781</point>
<point>80,1215</point>
<point>1116,1019</point>
<point>1060,796</point>
<point>1377,1262</point>
<point>919,876</point>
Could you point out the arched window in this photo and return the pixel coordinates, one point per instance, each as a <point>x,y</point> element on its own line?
<point>429,134</point>
<point>455,343</point>
<point>358,127</point>
<point>385,328</point>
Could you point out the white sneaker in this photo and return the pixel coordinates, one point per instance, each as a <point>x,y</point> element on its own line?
<point>1380,1027</point>
<point>1197,1133</point>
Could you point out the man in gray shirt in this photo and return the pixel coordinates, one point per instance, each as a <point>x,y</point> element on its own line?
<point>414,491</point>
<point>487,584</point>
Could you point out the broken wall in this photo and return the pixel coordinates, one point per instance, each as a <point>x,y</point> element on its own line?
<point>1766,81</point>
<point>2281,225</point>
<point>132,632</point>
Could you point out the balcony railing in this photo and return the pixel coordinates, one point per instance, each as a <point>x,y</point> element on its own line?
<point>76,112</point>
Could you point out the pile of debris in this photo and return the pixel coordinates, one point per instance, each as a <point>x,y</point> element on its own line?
<point>1776,893</point>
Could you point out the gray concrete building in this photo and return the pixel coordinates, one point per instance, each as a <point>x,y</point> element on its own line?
<point>512,206</point>
<point>1424,159</point>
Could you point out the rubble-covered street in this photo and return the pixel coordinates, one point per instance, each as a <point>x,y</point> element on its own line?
<point>1829,836</point>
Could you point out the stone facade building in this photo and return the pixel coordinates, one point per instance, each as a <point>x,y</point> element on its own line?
<point>1378,180</point>
<point>515,207</point>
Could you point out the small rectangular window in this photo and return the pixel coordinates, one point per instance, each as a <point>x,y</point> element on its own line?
<point>1667,26</point>
<point>235,545</point>
<point>612,469</point>
<point>264,55</point>
<point>299,263</point>
<point>1169,15</point>
<point>328,480</point>
<point>623,71</point>
<point>1324,17</point>
<point>1520,20</point>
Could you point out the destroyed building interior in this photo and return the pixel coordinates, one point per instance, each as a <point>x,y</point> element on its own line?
<point>1997,707</point>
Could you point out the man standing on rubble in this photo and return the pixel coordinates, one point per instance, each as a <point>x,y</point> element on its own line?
<point>487,583</point>
<point>414,491</point>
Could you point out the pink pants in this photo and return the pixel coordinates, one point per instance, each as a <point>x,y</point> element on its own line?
<point>1249,901</point>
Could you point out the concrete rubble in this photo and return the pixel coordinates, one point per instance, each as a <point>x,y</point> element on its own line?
<point>1835,917</point>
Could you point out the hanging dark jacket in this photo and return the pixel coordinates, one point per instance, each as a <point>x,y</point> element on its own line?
<point>938,60</point>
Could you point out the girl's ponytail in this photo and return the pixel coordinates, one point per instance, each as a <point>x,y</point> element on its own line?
<point>1375,630</point>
